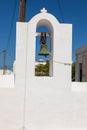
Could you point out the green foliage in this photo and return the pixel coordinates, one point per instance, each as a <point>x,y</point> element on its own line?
<point>42,70</point>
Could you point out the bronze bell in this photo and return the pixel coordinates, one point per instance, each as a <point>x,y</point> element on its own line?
<point>43,50</point>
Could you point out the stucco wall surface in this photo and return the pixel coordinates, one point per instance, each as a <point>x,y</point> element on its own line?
<point>43,103</point>
<point>46,107</point>
<point>7,81</point>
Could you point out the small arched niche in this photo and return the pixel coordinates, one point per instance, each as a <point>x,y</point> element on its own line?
<point>44,63</point>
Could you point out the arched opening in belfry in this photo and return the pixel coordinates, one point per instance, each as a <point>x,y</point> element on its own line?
<point>44,51</point>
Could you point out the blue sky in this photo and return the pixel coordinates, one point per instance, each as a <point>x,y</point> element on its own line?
<point>66,11</point>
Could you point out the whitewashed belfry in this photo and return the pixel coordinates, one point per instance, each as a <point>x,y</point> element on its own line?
<point>51,102</point>
<point>61,37</point>
<point>43,93</point>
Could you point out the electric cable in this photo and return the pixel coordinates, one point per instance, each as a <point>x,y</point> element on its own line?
<point>61,12</point>
<point>11,27</point>
<point>1,52</point>
<point>10,55</point>
<point>64,63</point>
<point>10,63</point>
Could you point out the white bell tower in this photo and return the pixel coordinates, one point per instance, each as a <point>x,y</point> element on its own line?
<point>44,94</point>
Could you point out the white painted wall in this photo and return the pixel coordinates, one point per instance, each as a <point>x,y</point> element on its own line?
<point>46,97</point>
<point>7,81</point>
<point>49,102</point>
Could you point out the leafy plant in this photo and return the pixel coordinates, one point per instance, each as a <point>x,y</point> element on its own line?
<point>42,70</point>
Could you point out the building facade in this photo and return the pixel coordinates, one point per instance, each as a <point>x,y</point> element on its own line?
<point>81,64</point>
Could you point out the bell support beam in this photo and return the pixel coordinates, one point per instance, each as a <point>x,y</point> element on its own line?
<point>47,34</point>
